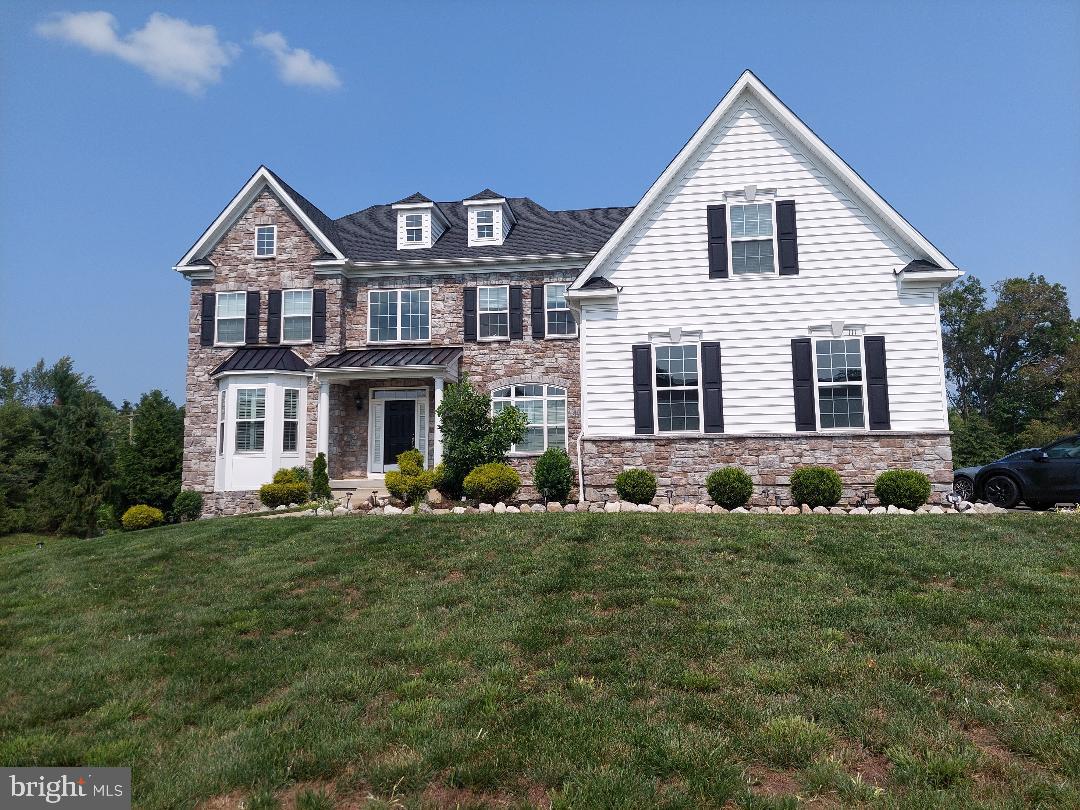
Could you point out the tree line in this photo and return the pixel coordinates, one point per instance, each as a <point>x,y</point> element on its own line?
<point>71,462</point>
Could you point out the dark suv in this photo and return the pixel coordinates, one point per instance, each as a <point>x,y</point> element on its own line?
<point>1041,478</point>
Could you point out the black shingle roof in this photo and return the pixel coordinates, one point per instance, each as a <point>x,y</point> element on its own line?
<point>919,266</point>
<point>413,198</point>
<point>598,283</point>
<point>261,358</point>
<point>321,220</point>
<point>486,194</point>
<point>395,357</point>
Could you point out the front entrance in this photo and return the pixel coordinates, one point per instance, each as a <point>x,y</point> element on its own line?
<point>399,430</point>
<point>398,422</point>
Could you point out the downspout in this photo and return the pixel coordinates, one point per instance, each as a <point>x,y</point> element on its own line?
<point>581,387</point>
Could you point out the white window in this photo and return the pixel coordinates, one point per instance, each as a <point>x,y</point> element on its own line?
<point>250,419</point>
<point>221,424</point>
<point>493,312</point>
<point>290,424</point>
<point>414,227</point>
<point>677,394</point>
<point>296,316</point>
<point>266,240</point>
<point>230,311</point>
<point>839,369</point>
<point>396,315</point>
<point>751,235</point>
<point>545,407</point>
<point>485,224</point>
<point>560,320</point>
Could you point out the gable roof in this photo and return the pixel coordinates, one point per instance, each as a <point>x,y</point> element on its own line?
<point>320,226</point>
<point>416,197</point>
<point>486,194</point>
<point>749,85</point>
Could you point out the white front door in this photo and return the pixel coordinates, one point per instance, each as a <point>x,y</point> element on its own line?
<point>397,422</point>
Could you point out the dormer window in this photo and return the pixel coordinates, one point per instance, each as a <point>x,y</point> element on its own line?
<point>266,241</point>
<point>414,227</point>
<point>485,224</point>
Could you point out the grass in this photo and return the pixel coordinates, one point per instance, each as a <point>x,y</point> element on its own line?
<point>582,660</point>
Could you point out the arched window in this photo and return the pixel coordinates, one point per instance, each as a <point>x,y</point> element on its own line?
<point>544,405</point>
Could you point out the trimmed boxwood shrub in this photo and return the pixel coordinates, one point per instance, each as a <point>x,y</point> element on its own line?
<point>729,487</point>
<point>816,486</point>
<point>635,486</point>
<point>274,495</point>
<point>904,489</point>
<point>142,516</point>
<point>553,476</point>
<point>491,483</point>
<point>410,482</point>
<point>188,505</point>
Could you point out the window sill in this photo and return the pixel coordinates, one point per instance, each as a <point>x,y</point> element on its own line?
<point>295,342</point>
<point>560,337</point>
<point>270,256</point>
<point>493,339</point>
<point>230,345</point>
<point>421,342</point>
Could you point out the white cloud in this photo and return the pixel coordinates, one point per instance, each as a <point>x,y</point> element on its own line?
<point>295,65</point>
<point>172,50</point>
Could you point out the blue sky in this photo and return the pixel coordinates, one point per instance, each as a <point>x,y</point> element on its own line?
<point>121,138</point>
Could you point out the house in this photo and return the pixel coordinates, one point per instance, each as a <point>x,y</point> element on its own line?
<point>761,306</point>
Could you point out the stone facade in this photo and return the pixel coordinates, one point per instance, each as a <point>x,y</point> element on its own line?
<point>682,463</point>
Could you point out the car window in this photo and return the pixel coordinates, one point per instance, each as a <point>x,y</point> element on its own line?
<point>1070,448</point>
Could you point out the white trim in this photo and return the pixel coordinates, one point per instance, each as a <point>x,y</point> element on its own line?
<point>262,451</point>
<point>490,201</point>
<point>322,425</point>
<point>568,308</point>
<point>218,318</point>
<point>752,86</point>
<point>436,442</point>
<point>265,255</point>
<point>655,390</point>
<point>227,218</point>
<point>398,340</point>
<point>420,397</point>
<point>817,385</point>
<point>284,401</point>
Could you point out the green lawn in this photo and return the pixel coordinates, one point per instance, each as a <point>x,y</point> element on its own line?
<point>582,660</point>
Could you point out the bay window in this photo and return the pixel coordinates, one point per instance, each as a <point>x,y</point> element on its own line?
<point>250,419</point>
<point>290,424</point>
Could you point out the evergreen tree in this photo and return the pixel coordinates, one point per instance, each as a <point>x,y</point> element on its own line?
<point>150,449</point>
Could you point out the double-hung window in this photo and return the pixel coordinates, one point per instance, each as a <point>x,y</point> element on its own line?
<point>840,383</point>
<point>493,313</point>
<point>296,316</point>
<point>230,312</point>
<point>485,224</point>
<point>414,227</point>
<point>265,241</point>
<point>398,315</point>
<point>751,234</point>
<point>545,408</point>
<point>221,424</point>
<point>290,424</point>
<point>677,394</point>
<point>560,320</point>
<point>250,419</point>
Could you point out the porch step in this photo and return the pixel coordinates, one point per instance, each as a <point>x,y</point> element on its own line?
<point>359,488</point>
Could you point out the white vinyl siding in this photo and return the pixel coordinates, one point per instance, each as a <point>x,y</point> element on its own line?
<point>846,264</point>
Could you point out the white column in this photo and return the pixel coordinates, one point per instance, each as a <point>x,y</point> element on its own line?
<point>322,434</point>
<point>436,445</point>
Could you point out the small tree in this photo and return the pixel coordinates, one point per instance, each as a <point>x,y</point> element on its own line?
<point>320,479</point>
<point>149,453</point>
<point>472,435</point>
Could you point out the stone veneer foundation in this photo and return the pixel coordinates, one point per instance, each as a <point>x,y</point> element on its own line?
<point>682,463</point>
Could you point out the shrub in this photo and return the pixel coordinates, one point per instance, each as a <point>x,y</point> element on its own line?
<point>106,517</point>
<point>816,486</point>
<point>292,475</point>
<point>906,489</point>
<point>552,476</point>
<point>320,479</point>
<point>410,482</point>
<point>491,483</point>
<point>442,481</point>
<point>635,486</point>
<point>142,516</point>
<point>188,505</point>
<point>729,487</point>
<point>274,495</point>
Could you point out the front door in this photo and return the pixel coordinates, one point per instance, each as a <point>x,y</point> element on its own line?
<point>399,430</point>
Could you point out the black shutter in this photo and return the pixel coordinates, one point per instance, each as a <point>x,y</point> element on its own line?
<point>251,326</point>
<point>802,374</point>
<point>712,388</point>
<point>516,313</point>
<point>718,258</point>
<point>318,316</point>
<point>785,236</point>
<point>536,307</point>
<point>643,411</point>
<point>273,316</point>
<point>209,304</point>
<point>877,383</point>
<point>470,313</point>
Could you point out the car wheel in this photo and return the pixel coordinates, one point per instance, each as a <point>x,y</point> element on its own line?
<point>1002,492</point>
<point>1040,506</point>
<point>964,487</point>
